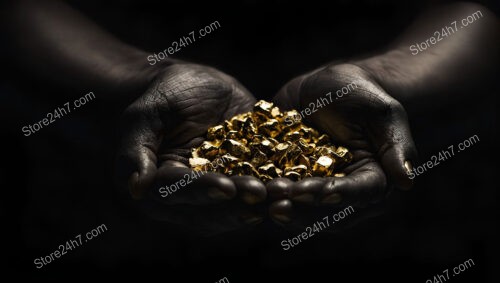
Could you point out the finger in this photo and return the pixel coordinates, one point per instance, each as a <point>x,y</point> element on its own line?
<point>278,188</point>
<point>281,211</point>
<point>396,149</point>
<point>250,189</point>
<point>308,190</point>
<point>364,185</point>
<point>176,184</point>
<point>136,160</point>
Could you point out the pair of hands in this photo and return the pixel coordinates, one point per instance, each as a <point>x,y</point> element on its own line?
<point>159,129</point>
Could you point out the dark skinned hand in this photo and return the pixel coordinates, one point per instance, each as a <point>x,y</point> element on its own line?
<point>157,133</point>
<point>365,119</point>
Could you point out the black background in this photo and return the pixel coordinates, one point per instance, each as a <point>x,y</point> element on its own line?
<point>57,183</point>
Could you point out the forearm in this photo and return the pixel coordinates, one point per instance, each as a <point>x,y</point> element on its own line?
<point>451,68</point>
<point>56,42</point>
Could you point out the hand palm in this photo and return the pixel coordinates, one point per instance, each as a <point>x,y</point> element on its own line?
<point>159,130</point>
<point>366,120</point>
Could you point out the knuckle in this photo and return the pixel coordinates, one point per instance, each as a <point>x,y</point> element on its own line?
<point>391,108</point>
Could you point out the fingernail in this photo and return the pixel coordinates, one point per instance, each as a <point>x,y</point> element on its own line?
<point>249,198</point>
<point>304,198</point>
<point>334,198</point>
<point>217,194</point>
<point>408,167</point>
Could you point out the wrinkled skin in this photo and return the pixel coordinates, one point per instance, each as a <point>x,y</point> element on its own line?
<point>157,133</point>
<point>160,128</point>
<point>369,122</point>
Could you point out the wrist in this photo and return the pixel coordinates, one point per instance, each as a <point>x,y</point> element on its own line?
<point>392,70</point>
<point>133,76</point>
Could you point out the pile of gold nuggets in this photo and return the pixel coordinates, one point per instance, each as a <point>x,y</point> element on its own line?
<point>268,143</point>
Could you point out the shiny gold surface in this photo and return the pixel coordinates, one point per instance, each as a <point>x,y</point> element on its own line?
<point>267,144</point>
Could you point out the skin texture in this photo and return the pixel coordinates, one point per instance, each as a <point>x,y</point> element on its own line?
<point>157,133</point>
<point>368,121</point>
<point>171,105</point>
<point>53,41</point>
<point>446,74</point>
<point>372,119</point>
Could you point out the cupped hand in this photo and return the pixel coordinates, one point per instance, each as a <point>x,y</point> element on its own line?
<point>157,133</point>
<point>345,102</point>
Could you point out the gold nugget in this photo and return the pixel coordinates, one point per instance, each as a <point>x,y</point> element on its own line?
<point>267,144</point>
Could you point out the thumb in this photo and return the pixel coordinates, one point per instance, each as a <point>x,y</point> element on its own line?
<point>395,147</point>
<point>136,163</point>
